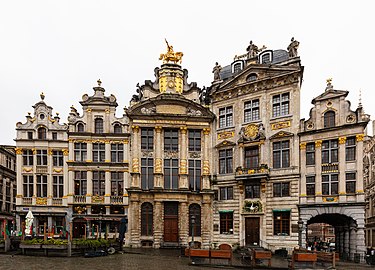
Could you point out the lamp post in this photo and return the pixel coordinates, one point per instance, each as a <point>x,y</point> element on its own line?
<point>300,229</point>
<point>100,224</point>
<point>192,230</point>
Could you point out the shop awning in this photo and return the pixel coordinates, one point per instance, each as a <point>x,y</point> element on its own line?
<point>281,210</point>
<point>226,211</point>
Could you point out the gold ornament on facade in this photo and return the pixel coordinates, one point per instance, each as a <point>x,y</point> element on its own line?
<point>183,130</point>
<point>27,169</point>
<point>330,199</point>
<point>19,151</point>
<point>170,55</point>
<point>183,166</point>
<point>342,140</point>
<point>65,152</point>
<point>50,151</point>
<point>206,167</point>
<point>251,131</point>
<point>57,170</point>
<point>126,141</point>
<point>360,137</point>
<point>158,129</point>
<point>135,165</point>
<point>179,84</point>
<point>281,125</point>
<point>89,110</point>
<point>135,129</point>
<point>225,135</point>
<point>206,131</point>
<point>163,84</point>
<point>302,145</point>
<point>41,201</point>
<point>51,119</point>
<point>318,143</point>
<point>107,111</point>
<point>158,165</point>
<point>34,151</point>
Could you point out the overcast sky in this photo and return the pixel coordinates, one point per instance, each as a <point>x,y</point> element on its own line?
<point>63,47</point>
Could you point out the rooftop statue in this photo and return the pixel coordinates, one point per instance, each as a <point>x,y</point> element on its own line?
<point>252,50</point>
<point>170,55</point>
<point>292,48</point>
<point>216,72</point>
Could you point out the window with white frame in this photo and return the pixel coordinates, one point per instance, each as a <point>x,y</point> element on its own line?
<point>98,152</point>
<point>117,152</point>
<point>58,186</point>
<point>330,151</point>
<point>80,152</point>
<point>350,149</point>
<point>251,110</point>
<point>350,182</point>
<point>41,185</point>
<point>195,172</point>
<point>28,186</point>
<point>28,157</point>
<point>226,117</point>
<point>310,185</point>
<point>226,193</point>
<point>280,105</point>
<point>330,184</point>
<point>57,158</point>
<point>281,152</point>
<point>41,157</point>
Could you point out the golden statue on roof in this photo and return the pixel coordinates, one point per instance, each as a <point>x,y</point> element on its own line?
<point>170,55</point>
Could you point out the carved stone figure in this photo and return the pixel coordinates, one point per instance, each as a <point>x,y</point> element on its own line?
<point>252,50</point>
<point>216,72</point>
<point>292,48</point>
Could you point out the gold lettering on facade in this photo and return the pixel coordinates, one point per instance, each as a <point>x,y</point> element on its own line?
<point>225,135</point>
<point>280,125</point>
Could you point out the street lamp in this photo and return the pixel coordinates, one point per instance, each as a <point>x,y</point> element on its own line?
<point>300,229</point>
<point>100,224</point>
<point>192,230</point>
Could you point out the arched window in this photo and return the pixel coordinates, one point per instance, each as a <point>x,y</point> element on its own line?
<point>252,77</point>
<point>117,128</point>
<point>99,125</point>
<point>80,127</point>
<point>147,219</point>
<point>329,119</point>
<point>42,133</point>
<point>195,214</point>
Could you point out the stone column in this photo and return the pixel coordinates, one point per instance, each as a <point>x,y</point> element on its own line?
<point>206,159</point>
<point>352,242</point>
<point>134,224</point>
<point>342,167</point>
<point>158,172</point>
<point>89,183</point>
<point>360,242</point>
<point>184,224</point>
<point>66,178</point>
<point>89,152</point>
<point>107,151</point>
<point>126,171</point>
<point>107,196</point>
<point>19,177</point>
<point>359,156</point>
<point>90,121</point>
<point>183,181</point>
<point>49,176</point>
<point>240,155</point>
<point>346,241</point>
<point>107,121</point>
<point>206,221</point>
<point>70,186</point>
<point>158,224</point>
<point>318,171</point>
<point>135,160</point>
<point>302,184</point>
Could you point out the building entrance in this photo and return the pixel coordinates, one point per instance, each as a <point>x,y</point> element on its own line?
<point>252,231</point>
<point>171,222</point>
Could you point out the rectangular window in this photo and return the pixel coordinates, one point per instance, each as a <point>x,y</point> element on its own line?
<point>147,173</point>
<point>252,157</point>
<point>310,185</point>
<point>170,173</point>
<point>117,183</point>
<point>41,186</point>
<point>171,140</point>
<point>195,140</point>
<point>281,223</point>
<point>195,172</point>
<point>80,183</point>
<point>80,152</point>
<point>58,186</point>
<point>252,190</point>
<point>330,151</point>
<point>226,222</point>
<point>226,161</point>
<point>98,183</point>
<point>251,110</point>
<point>280,105</point>
<point>28,157</point>
<point>117,152</point>
<point>98,152</point>
<point>147,139</point>
<point>350,183</point>
<point>58,158</point>
<point>41,157</point>
<point>330,184</point>
<point>350,149</point>
<point>226,193</point>
<point>281,154</point>
<point>310,154</point>
<point>54,136</point>
<point>226,117</point>
<point>30,135</point>
<point>281,189</point>
<point>28,186</point>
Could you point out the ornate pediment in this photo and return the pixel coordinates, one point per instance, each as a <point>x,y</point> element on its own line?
<point>225,143</point>
<point>330,94</point>
<point>281,134</point>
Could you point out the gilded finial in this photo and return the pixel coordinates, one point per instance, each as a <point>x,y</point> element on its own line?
<point>57,114</point>
<point>99,82</point>
<point>329,84</point>
<point>329,81</point>
<point>42,96</point>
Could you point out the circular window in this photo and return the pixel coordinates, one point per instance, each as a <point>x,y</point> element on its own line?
<point>41,116</point>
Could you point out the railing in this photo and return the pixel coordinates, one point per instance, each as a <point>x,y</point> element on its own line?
<point>41,169</point>
<point>56,201</point>
<point>28,201</point>
<point>330,167</point>
<point>79,198</point>
<point>116,199</point>
<point>262,169</point>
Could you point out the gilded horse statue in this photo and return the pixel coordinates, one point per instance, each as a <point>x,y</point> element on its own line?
<point>171,56</point>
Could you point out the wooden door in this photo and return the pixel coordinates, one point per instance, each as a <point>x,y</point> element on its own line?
<point>252,231</point>
<point>171,222</point>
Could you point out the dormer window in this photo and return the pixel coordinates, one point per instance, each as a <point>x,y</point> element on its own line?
<point>117,128</point>
<point>80,127</point>
<point>42,133</point>
<point>237,66</point>
<point>252,77</point>
<point>99,125</point>
<point>265,57</point>
<point>329,119</point>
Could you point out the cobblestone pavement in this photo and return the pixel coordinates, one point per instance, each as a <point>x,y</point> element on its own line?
<point>140,259</point>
